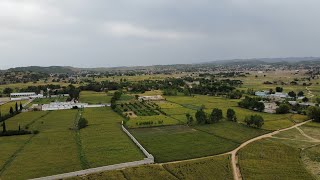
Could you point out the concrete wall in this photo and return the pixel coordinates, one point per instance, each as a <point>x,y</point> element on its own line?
<point>145,152</point>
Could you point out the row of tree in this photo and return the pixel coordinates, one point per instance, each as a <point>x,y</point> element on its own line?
<point>215,116</point>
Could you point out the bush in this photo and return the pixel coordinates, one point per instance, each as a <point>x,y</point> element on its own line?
<point>283,109</point>
<point>254,120</point>
<point>82,123</point>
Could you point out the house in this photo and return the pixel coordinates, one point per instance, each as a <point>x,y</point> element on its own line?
<point>279,95</point>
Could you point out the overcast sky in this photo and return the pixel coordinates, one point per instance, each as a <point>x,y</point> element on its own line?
<point>103,33</point>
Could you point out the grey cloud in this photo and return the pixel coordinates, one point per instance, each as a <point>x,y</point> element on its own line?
<point>92,33</point>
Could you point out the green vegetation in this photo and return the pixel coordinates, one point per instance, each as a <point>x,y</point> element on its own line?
<point>269,159</point>
<point>186,142</point>
<point>5,108</point>
<point>92,97</point>
<point>28,156</point>
<point>207,168</point>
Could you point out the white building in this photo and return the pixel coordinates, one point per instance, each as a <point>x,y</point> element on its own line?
<point>24,95</point>
<point>151,98</point>
<point>67,105</point>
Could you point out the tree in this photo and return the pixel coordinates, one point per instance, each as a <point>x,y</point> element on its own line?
<point>11,111</point>
<point>283,109</point>
<point>313,112</point>
<point>136,96</point>
<point>292,94</point>
<point>21,107</point>
<point>231,115</point>
<point>215,116</point>
<point>259,106</point>
<point>7,91</point>
<point>254,120</point>
<point>318,100</point>
<point>189,119</point>
<point>279,89</point>
<point>305,99</point>
<point>17,109</point>
<point>300,93</point>
<point>201,116</point>
<point>4,129</point>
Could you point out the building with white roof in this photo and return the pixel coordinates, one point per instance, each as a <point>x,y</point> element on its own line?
<point>67,105</point>
<point>24,95</point>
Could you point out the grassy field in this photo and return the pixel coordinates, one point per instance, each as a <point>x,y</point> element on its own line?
<point>289,155</point>
<point>103,141</point>
<point>272,121</point>
<point>209,168</point>
<point>56,149</point>
<point>269,159</point>
<point>5,108</point>
<point>171,143</point>
<point>92,97</point>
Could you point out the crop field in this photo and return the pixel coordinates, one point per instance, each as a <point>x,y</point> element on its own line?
<point>55,148</point>
<point>16,86</point>
<point>5,108</point>
<point>92,97</point>
<point>208,168</point>
<point>289,155</point>
<point>139,108</point>
<point>149,121</point>
<point>272,121</point>
<point>187,142</point>
<point>103,141</point>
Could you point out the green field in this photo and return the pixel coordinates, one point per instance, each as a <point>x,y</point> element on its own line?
<point>289,155</point>
<point>92,97</point>
<point>103,141</point>
<point>56,149</point>
<point>171,143</point>
<point>5,108</point>
<point>215,168</point>
<point>272,121</point>
<point>270,159</point>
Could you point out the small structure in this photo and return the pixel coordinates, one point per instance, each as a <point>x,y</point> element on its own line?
<point>151,98</point>
<point>262,93</point>
<point>270,107</point>
<point>24,95</point>
<point>279,95</point>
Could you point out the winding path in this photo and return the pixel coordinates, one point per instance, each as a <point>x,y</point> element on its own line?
<point>234,157</point>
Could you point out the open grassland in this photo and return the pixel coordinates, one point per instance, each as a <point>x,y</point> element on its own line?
<point>92,97</point>
<point>103,141</point>
<point>270,159</point>
<point>5,108</point>
<point>208,168</point>
<point>171,143</point>
<point>272,121</point>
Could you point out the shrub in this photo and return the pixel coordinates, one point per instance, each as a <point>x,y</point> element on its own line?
<point>82,123</point>
<point>254,120</point>
<point>283,109</point>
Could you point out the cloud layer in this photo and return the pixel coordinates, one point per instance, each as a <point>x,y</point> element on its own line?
<point>92,33</point>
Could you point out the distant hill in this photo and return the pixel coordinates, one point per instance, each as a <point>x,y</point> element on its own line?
<point>257,61</point>
<point>50,69</point>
